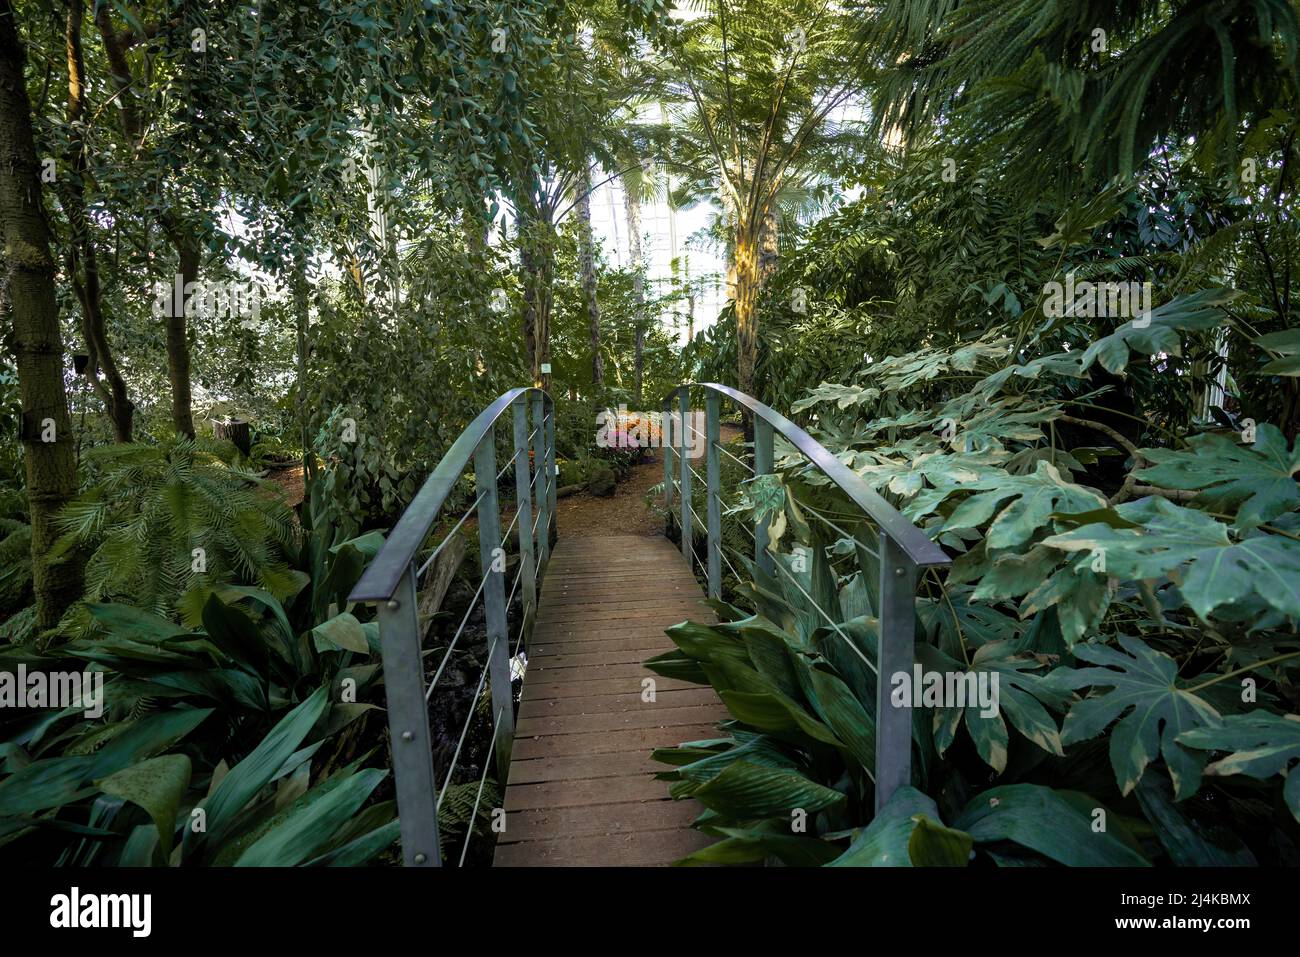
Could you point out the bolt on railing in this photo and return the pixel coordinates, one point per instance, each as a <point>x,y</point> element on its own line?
<point>392,580</point>
<point>904,548</point>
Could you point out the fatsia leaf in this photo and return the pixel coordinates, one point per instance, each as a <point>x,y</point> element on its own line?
<point>1033,500</point>
<point>1262,744</point>
<point>1150,707</point>
<point>1257,481</point>
<point>1016,696</point>
<point>1218,572</point>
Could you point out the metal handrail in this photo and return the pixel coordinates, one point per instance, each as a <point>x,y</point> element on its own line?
<point>392,577</point>
<point>384,572</point>
<point>904,550</point>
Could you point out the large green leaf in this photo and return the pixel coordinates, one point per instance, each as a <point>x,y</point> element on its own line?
<point>1042,820</point>
<point>1032,501</point>
<point>747,791</point>
<point>312,822</point>
<point>1155,711</point>
<point>250,775</point>
<point>747,845</point>
<point>1020,699</point>
<point>1262,744</point>
<point>157,785</point>
<point>1188,843</point>
<point>884,842</point>
<point>1165,537</point>
<point>1257,481</point>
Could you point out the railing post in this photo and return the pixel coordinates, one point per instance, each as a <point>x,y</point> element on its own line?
<point>762,466</point>
<point>551,477</point>
<point>713,476</point>
<point>539,463</point>
<point>492,562</point>
<point>666,446</point>
<point>408,725</point>
<point>898,575</point>
<point>688,526</point>
<point>524,507</point>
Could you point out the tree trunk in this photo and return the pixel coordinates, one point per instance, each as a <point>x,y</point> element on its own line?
<point>178,233</point>
<point>746,307</point>
<point>301,315</point>
<point>237,431</point>
<point>537,262</point>
<point>178,345</point>
<point>80,256</point>
<point>632,211</point>
<point>587,264</point>
<point>769,252</point>
<point>46,427</point>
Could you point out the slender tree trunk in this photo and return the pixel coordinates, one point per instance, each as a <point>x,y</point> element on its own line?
<point>301,315</point>
<point>769,252</point>
<point>80,256</point>
<point>178,345</point>
<point>587,264</point>
<point>178,232</point>
<point>747,281</point>
<point>632,212</point>
<point>537,263</point>
<point>46,427</point>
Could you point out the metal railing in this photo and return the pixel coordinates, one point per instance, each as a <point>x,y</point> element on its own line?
<point>904,548</point>
<point>392,581</point>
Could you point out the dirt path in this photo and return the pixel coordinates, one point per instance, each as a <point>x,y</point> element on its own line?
<point>626,512</point>
<point>623,513</point>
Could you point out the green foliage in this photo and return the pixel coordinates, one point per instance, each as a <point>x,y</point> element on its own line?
<point>161,519</point>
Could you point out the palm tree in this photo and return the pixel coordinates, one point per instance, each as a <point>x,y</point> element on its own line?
<point>755,83</point>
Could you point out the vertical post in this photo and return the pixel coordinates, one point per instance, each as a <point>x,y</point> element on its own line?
<point>524,506</point>
<point>762,466</point>
<point>666,446</point>
<point>408,725</point>
<point>713,476</point>
<point>492,562</point>
<point>896,654</point>
<point>551,477</point>
<point>539,487</point>
<point>688,526</point>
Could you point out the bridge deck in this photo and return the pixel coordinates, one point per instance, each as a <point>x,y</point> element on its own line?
<point>581,789</point>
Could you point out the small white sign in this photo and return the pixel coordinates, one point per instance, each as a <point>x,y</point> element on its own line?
<point>546,368</point>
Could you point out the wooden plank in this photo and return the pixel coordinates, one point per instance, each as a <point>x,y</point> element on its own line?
<point>642,849</point>
<point>553,794</point>
<point>627,817</point>
<point>645,646</point>
<point>668,718</point>
<point>584,767</point>
<point>642,739</point>
<point>595,704</point>
<point>582,788</point>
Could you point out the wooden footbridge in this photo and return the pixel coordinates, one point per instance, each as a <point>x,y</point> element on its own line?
<point>574,749</point>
